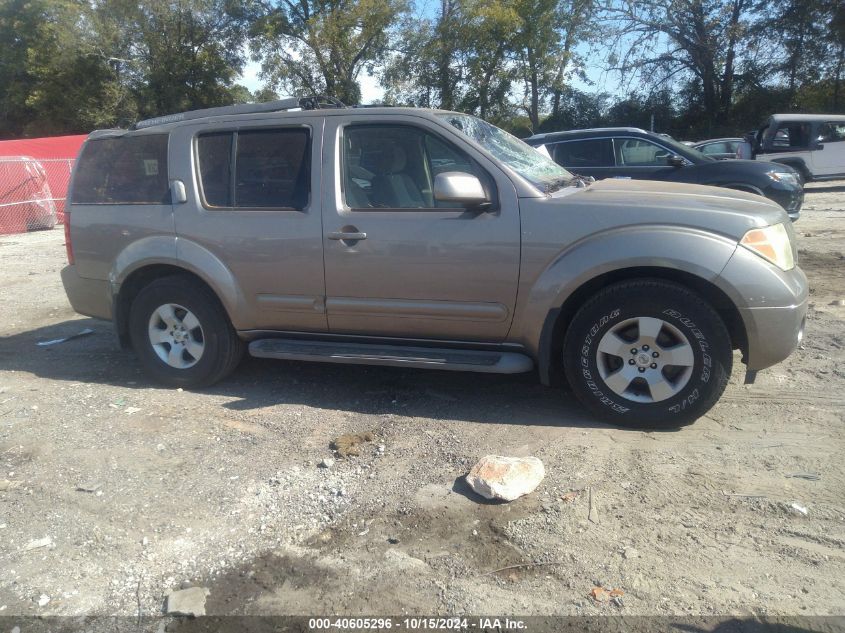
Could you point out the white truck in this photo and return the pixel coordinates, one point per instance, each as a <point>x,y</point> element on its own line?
<point>812,144</point>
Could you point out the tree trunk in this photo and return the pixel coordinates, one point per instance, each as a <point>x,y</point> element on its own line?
<point>444,62</point>
<point>533,81</point>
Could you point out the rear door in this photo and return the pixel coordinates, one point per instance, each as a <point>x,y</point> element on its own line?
<point>253,204</point>
<point>829,155</point>
<point>414,267</point>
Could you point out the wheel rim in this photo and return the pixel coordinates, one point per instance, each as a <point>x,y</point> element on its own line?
<point>176,336</point>
<point>645,359</point>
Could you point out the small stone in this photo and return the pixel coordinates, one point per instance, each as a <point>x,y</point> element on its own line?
<point>506,478</point>
<point>88,486</point>
<point>838,302</point>
<point>44,600</point>
<point>190,602</point>
<point>630,552</point>
<point>327,462</point>
<point>393,540</point>
<point>41,542</point>
<point>145,541</point>
<point>381,448</point>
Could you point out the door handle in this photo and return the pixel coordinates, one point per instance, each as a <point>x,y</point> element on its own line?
<point>350,236</point>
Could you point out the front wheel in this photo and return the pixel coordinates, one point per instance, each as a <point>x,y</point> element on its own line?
<point>181,333</point>
<point>647,353</point>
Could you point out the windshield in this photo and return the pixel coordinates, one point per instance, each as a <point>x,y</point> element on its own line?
<point>538,169</point>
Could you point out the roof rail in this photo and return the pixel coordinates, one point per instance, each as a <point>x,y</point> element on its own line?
<point>314,102</point>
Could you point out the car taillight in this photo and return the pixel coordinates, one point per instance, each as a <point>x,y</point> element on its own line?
<point>68,245</point>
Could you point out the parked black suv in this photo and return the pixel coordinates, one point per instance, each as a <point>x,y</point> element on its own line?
<point>634,153</point>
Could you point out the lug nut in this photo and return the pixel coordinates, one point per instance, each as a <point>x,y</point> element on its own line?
<point>654,354</point>
<point>642,369</point>
<point>631,361</point>
<point>645,348</point>
<point>654,365</point>
<point>633,350</point>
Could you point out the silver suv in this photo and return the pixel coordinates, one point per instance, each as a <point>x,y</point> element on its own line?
<point>305,230</point>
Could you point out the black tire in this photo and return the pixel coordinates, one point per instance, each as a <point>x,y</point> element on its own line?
<point>683,313</point>
<point>222,348</point>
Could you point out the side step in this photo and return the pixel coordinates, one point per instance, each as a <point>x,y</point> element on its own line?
<point>392,355</point>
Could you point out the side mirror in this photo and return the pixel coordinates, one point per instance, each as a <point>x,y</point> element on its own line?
<point>676,161</point>
<point>460,187</point>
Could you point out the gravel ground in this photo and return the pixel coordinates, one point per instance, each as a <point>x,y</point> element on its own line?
<point>115,491</point>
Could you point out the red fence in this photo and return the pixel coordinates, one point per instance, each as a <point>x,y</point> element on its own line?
<point>32,192</point>
<point>34,177</point>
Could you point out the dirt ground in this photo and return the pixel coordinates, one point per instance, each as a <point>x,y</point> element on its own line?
<point>115,491</point>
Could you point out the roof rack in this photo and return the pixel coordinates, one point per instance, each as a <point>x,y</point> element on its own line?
<point>315,102</point>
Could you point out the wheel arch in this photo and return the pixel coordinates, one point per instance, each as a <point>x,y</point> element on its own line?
<point>558,319</point>
<point>139,279</point>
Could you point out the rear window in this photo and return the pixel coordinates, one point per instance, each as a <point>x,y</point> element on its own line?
<point>123,170</point>
<point>270,169</point>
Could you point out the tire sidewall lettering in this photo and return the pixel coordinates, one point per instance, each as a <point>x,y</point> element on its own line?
<point>690,394</point>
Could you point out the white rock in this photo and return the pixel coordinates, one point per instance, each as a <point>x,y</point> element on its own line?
<point>506,478</point>
<point>41,542</point>
<point>187,601</point>
<point>327,462</point>
<point>44,600</point>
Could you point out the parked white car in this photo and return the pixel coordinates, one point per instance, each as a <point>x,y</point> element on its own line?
<point>812,144</point>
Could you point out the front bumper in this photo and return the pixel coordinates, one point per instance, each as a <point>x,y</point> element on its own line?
<point>772,304</point>
<point>791,199</point>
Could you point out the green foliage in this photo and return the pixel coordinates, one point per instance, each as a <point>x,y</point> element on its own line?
<point>69,66</point>
<point>321,46</point>
<point>699,68</point>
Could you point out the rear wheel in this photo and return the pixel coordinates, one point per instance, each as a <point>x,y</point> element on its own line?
<point>181,333</point>
<point>647,353</point>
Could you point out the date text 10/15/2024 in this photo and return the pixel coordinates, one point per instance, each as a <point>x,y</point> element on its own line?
<point>416,624</point>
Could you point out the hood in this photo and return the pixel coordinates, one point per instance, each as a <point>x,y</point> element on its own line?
<point>621,202</point>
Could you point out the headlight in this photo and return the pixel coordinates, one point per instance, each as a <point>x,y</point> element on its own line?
<point>785,177</point>
<point>771,243</point>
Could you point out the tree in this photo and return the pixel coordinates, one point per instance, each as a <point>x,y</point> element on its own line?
<point>547,34</point>
<point>321,46</point>
<point>697,40</point>
<point>53,78</point>
<point>181,54</point>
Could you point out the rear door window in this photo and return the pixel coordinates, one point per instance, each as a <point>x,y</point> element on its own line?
<point>270,170</point>
<point>586,153</point>
<point>123,170</point>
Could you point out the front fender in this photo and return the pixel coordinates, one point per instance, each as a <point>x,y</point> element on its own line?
<point>181,253</point>
<point>692,251</point>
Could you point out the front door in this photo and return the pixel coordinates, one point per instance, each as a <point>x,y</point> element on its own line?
<point>643,160</point>
<point>398,262</point>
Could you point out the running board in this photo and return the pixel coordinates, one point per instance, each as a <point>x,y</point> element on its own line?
<point>392,355</point>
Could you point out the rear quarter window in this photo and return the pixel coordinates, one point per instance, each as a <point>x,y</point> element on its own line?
<point>123,170</point>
